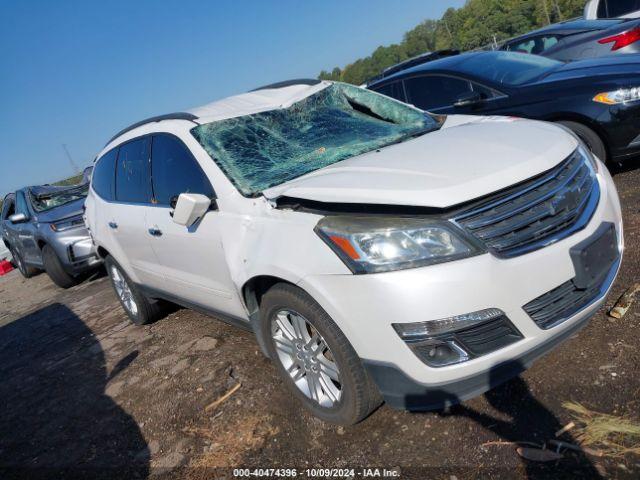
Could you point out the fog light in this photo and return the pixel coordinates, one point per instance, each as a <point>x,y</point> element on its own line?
<point>439,353</point>
<point>452,340</point>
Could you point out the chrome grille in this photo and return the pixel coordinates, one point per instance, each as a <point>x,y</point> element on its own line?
<point>535,213</point>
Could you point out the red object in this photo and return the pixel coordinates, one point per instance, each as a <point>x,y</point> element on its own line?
<point>5,267</point>
<point>622,39</point>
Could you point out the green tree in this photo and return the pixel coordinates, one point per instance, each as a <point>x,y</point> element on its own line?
<point>478,23</point>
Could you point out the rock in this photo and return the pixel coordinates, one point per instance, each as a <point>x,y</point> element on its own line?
<point>205,344</point>
<point>181,366</point>
<point>114,389</point>
<point>537,455</point>
<point>171,460</point>
<point>154,447</point>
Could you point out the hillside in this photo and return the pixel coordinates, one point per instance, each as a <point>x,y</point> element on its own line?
<point>478,23</point>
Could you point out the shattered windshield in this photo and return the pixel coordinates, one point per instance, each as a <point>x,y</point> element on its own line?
<point>341,121</point>
<point>47,201</point>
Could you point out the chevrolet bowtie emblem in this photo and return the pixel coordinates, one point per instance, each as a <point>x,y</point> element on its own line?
<point>566,200</point>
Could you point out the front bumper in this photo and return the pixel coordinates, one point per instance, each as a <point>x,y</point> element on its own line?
<point>366,306</point>
<point>76,251</point>
<point>622,128</point>
<point>83,256</point>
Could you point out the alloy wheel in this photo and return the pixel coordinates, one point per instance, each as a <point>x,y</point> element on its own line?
<point>124,291</point>
<point>306,358</point>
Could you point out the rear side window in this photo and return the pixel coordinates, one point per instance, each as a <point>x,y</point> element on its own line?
<point>535,45</point>
<point>393,90</point>
<point>175,171</point>
<point>133,180</point>
<point>432,92</point>
<point>8,208</point>
<point>102,179</point>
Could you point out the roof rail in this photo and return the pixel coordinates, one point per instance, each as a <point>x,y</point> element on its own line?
<point>288,83</point>
<point>419,59</point>
<point>169,116</point>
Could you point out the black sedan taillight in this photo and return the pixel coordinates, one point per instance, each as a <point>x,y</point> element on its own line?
<point>623,39</point>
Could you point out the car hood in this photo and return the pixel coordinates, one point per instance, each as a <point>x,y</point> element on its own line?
<point>68,210</point>
<point>469,157</point>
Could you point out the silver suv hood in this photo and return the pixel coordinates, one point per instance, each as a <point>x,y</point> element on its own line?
<point>469,157</point>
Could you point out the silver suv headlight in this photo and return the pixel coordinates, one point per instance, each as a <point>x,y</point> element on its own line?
<point>68,224</point>
<point>382,244</point>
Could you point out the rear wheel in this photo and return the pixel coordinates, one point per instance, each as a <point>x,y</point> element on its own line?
<point>23,268</point>
<point>140,309</point>
<point>589,137</point>
<point>316,360</point>
<point>55,270</point>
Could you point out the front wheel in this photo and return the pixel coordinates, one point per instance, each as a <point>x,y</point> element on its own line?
<point>140,309</point>
<point>55,270</point>
<point>591,139</point>
<point>316,360</point>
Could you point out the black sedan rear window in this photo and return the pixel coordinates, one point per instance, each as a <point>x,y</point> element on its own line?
<point>508,68</point>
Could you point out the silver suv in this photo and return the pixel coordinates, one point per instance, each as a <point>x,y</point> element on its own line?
<point>44,230</point>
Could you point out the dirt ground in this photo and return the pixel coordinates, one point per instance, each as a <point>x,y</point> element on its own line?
<point>84,392</point>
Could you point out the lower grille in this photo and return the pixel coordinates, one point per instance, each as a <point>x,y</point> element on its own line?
<point>488,337</point>
<point>563,302</point>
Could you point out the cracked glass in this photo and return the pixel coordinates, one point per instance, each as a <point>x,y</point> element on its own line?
<point>269,148</point>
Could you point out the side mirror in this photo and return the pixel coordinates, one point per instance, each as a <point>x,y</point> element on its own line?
<point>190,207</point>
<point>18,218</point>
<point>468,99</point>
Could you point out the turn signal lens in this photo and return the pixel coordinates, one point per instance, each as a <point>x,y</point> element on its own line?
<point>621,96</point>
<point>419,330</point>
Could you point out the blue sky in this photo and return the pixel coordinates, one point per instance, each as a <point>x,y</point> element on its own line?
<point>76,72</point>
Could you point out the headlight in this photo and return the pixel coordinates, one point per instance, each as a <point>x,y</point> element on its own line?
<point>624,95</point>
<point>379,244</point>
<point>74,222</point>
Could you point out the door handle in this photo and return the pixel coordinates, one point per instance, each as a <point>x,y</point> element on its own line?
<point>113,225</point>
<point>155,232</point>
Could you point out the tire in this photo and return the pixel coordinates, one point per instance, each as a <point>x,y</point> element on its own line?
<point>55,270</point>
<point>589,137</point>
<point>142,310</point>
<point>358,396</point>
<point>23,268</point>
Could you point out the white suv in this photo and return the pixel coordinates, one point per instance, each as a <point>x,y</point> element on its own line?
<point>595,9</point>
<point>377,251</point>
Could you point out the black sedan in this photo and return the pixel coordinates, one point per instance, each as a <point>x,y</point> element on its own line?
<point>598,99</point>
<point>580,39</point>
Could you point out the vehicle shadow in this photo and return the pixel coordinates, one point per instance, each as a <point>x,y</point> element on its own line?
<point>528,421</point>
<point>56,420</point>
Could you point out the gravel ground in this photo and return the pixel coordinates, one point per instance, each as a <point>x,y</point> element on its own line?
<point>84,392</point>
